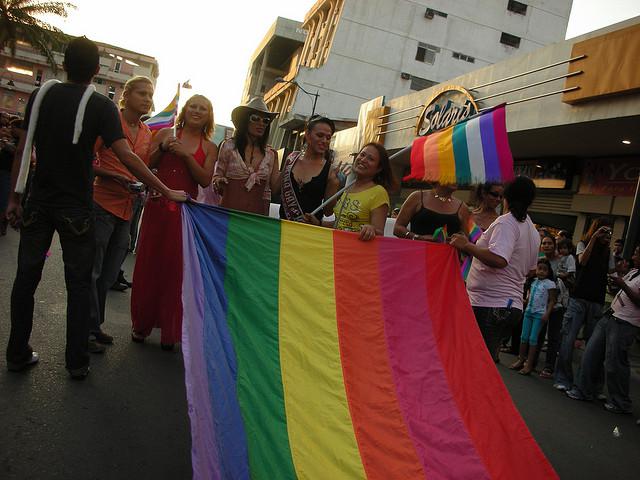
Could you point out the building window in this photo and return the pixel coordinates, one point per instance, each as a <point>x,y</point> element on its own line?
<point>116,68</point>
<point>98,80</point>
<point>430,13</point>
<point>111,92</point>
<point>510,40</point>
<point>418,83</point>
<point>427,53</point>
<point>517,7</point>
<point>462,56</point>
<point>38,80</point>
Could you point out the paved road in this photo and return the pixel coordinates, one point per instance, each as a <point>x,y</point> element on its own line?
<point>128,420</point>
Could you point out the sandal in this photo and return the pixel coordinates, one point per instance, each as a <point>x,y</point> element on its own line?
<point>136,337</point>
<point>517,365</point>
<point>525,371</point>
<point>546,373</point>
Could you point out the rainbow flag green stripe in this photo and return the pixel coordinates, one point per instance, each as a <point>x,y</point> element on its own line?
<point>473,151</point>
<point>311,354</point>
<point>167,117</point>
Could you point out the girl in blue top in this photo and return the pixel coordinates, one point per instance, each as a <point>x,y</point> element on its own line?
<point>542,298</point>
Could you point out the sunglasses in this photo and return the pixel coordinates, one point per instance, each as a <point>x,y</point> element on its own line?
<point>257,118</point>
<point>496,195</point>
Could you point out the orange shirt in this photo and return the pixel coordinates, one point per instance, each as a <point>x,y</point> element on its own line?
<point>107,192</point>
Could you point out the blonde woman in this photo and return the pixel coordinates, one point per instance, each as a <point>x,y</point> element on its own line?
<point>186,159</point>
<point>114,191</point>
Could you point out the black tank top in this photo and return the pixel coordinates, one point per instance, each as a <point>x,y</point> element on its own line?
<point>311,194</point>
<point>426,221</point>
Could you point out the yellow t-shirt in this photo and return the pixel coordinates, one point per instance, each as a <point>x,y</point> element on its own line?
<point>358,206</point>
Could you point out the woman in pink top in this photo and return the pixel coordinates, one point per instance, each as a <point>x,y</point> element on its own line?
<point>503,256</point>
<point>247,170</point>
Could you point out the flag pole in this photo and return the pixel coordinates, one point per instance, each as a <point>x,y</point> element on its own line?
<point>349,184</point>
<point>175,120</point>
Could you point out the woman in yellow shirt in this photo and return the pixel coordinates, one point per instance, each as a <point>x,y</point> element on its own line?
<point>364,207</point>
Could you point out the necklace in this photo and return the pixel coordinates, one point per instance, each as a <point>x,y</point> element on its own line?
<point>441,198</point>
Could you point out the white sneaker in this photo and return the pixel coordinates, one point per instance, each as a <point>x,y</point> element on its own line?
<point>560,387</point>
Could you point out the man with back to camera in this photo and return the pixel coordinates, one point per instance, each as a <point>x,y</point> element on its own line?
<point>61,199</point>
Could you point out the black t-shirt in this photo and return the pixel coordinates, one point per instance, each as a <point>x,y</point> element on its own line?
<point>591,279</point>
<point>64,172</point>
<point>6,159</point>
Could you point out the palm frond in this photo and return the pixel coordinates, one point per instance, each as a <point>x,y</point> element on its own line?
<point>49,8</point>
<point>19,21</point>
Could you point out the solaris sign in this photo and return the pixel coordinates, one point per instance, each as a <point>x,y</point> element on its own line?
<point>450,105</point>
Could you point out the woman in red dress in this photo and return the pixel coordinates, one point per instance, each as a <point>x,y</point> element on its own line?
<point>184,161</point>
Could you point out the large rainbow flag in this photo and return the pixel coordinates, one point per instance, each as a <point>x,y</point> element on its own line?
<point>310,354</point>
<point>167,117</point>
<point>474,151</point>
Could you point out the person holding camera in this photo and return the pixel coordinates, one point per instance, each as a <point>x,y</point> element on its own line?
<point>114,191</point>
<point>586,301</point>
<point>610,344</point>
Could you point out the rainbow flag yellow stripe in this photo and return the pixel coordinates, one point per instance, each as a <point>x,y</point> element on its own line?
<point>310,354</point>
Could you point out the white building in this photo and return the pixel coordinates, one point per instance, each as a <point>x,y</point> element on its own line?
<point>357,50</point>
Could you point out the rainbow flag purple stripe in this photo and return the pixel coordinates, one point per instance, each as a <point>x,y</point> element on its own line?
<point>360,361</point>
<point>167,117</point>
<point>474,151</point>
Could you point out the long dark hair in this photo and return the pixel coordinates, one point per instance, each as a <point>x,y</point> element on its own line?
<point>483,190</point>
<point>385,176</point>
<point>242,131</point>
<point>548,235</point>
<point>316,120</point>
<point>519,195</point>
<point>548,264</point>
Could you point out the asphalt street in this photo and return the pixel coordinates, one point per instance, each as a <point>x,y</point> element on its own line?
<point>128,419</point>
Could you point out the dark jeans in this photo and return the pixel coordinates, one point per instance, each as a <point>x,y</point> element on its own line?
<point>496,325</point>
<point>5,188</point>
<point>610,342</point>
<point>554,327</point>
<point>138,206</point>
<point>75,227</point>
<point>579,312</point>
<point>112,241</point>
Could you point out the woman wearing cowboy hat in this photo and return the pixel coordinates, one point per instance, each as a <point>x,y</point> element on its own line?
<point>247,169</point>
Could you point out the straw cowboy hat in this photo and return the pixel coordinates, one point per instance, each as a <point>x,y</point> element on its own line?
<point>256,104</point>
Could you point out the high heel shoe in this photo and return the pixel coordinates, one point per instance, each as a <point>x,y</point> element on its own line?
<point>136,337</point>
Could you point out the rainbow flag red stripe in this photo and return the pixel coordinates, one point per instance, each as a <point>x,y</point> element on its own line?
<point>311,354</point>
<point>474,151</point>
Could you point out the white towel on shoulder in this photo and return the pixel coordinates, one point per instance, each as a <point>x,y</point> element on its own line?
<point>21,182</point>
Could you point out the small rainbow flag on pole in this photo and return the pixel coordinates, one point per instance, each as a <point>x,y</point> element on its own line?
<point>360,360</point>
<point>474,151</point>
<point>167,117</point>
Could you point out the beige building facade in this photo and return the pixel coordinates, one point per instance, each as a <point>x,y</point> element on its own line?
<point>28,69</point>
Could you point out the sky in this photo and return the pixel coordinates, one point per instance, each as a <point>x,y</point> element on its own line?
<point>210,42</point>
